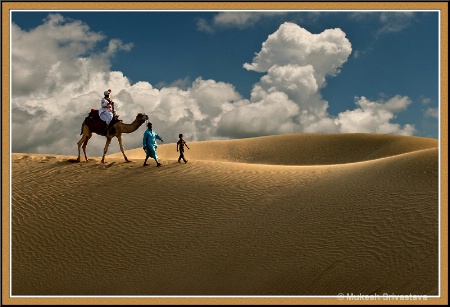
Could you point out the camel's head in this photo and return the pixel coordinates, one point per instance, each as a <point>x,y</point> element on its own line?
<point>142,117</point>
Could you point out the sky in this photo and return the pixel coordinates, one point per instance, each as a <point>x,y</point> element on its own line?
<point>222,74</point>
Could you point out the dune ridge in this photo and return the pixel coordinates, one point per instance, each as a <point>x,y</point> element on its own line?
<point>296,149</point>
<point>276,223</point>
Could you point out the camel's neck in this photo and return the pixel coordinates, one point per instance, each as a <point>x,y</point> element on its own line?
<point>128,128</point>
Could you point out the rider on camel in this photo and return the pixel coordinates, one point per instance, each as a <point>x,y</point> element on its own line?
<point>106,112</point>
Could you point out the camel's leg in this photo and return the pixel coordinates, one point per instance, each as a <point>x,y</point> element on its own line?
<point>84,146</point>
<point>81,141</point>
<point>108,141</point>
<point>119,137</point>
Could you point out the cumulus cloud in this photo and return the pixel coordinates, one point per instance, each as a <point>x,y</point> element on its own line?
<point>52,94</point>
<point>47,58</point>
<point>297,64</point>
<point>375,117</point>
<point>272,115</point>
<point>290,44</point>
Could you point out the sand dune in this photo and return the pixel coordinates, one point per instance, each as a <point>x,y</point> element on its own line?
<point>280,215</point>
<point>300,149</point>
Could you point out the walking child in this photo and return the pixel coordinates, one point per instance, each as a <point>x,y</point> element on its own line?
<point>180,144</point>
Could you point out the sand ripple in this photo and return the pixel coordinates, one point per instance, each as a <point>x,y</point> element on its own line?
<point>223,227</point>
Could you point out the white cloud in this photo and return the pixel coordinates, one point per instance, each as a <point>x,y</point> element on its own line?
<point>242,19</point>
<point>425,100</point>
<point>290,44</point>
<point>204,26</point>
<point>52,94</point>
<point>375,117</point>
<point>297,63</point>
<point>47,58</point>
<point>358,54</point>
<point>274,114</point>
<point>389,21</point>
<point>395,21</point>
<point>432,112</point>
<point>234,19</point>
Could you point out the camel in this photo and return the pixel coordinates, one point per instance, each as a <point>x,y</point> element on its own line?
<point>115,131</point>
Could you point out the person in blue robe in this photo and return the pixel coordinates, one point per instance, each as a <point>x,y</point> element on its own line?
<point>149,144</point>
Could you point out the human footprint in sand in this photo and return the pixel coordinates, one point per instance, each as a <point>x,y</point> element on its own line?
<point>180,144</point>
<point>150,145</point>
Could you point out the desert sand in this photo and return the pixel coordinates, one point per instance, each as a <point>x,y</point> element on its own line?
<point>297,215</point>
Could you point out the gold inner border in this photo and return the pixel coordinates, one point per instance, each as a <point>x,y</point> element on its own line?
<point>442,7</point>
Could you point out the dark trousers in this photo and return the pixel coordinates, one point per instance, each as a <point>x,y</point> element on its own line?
<point>181,155</point>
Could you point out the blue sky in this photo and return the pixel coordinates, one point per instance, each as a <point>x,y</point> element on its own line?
<point>225,74</point>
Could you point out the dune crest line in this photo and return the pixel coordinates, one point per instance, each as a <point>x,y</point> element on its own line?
<point>297,149</point>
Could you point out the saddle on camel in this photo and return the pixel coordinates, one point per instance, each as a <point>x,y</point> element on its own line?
<point>101,120</point>
<point>97,125</point>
